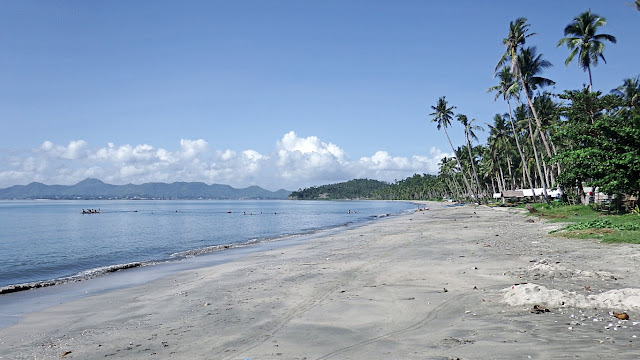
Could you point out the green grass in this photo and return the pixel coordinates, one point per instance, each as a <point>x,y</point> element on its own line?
<point>583,222</point>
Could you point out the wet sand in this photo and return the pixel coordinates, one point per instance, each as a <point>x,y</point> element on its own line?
<point>434,284</point>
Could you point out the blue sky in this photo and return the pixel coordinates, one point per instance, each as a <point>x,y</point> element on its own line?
<point>281,94</point>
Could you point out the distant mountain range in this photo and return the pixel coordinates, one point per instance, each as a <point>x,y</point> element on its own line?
<point>93,189</point>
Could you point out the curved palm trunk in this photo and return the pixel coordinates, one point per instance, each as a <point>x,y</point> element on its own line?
<point>473,166</point>
<point>509,167</point>
<point>502,181</point>
<point>503,184</point>
<point>535,116</point>
<point>515,135</point>
<point>542,176</point>
<point>455,185</point>
<point>555,152</point>
<point>464,177</point>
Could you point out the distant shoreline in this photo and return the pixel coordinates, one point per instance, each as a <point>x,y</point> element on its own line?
<point>94,189</point>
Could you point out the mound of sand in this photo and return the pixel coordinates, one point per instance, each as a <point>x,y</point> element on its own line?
<point>544,269</point>
<point>530,294</point>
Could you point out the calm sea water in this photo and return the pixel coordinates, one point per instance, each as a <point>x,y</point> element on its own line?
<point>42,241</point>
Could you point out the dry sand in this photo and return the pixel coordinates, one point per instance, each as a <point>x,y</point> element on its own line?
<point>436,284</point>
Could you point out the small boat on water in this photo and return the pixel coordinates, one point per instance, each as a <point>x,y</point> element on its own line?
<point>91,211</point>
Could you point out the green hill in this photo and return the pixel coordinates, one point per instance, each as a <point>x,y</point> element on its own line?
<point>352,189</point>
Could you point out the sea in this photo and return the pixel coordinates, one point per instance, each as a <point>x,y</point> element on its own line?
<point>51,242</point>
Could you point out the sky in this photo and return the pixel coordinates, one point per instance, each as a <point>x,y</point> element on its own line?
<point>280,94</point>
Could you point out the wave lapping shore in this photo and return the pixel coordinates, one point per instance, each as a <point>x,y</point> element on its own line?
<point>467,282</point>
<point>83,275</point>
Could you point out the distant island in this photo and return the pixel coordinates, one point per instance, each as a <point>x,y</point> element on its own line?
<point>94,189</point>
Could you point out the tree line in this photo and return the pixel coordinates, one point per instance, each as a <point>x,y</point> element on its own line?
<point>416,187</point>
<point>545,140</point>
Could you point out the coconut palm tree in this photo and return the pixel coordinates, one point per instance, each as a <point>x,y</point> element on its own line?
<point>531,65</point>
<point>518,33</point>
<point>522,115</point>
<point>500,147</point>
<point>629,91</point>
<point>508,88</point>
<point>448,175</point>
<point>582,40</point>
<point>469,134</point>
<point>442,115</point>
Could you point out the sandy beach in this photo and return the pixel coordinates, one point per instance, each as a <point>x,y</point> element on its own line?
<point>447,283</point>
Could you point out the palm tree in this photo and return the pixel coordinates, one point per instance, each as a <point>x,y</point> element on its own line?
<point>442,115</point>
<point>447,173</point>
<point>518,33</point>
<point>531,65</point>
<point>508,88</point>
<point>522,114</point>
<point>582,40</point>
<point>469,134</point>
<point>500,147</point>
<point>629,91</point>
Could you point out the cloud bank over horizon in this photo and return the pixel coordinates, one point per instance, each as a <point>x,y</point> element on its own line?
<point>295,162</point>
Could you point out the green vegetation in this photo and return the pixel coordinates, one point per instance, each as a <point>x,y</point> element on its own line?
<point>353,189</point>
<point>417,187</point>
<point>565,140</point>
<point>585,222</point>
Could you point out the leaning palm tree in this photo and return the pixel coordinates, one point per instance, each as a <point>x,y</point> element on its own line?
<point>508,88</point>
<point>469,134</point>
<point>518,33</point>
<point>500,147</point>
<point>582,40</point>
<point>442,115</point>
<point>448,175</point>
<point>531,65</point>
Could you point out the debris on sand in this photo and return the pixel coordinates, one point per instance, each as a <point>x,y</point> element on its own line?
<point>621,316</point>
<point>539,309</point>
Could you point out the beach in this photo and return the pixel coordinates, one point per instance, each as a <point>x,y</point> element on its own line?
<point>445,283</point>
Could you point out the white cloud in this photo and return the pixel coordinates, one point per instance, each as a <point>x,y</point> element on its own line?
<point>74,150</point>
<point>294,162</point>
<point>192,148</point>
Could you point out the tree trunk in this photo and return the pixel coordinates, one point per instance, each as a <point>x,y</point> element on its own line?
<point>473,166</point>
<point>464,177</point>
<point>535,116</point>
<point>515,135</point>
<point>513,180</point>
<point>543,180</point>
